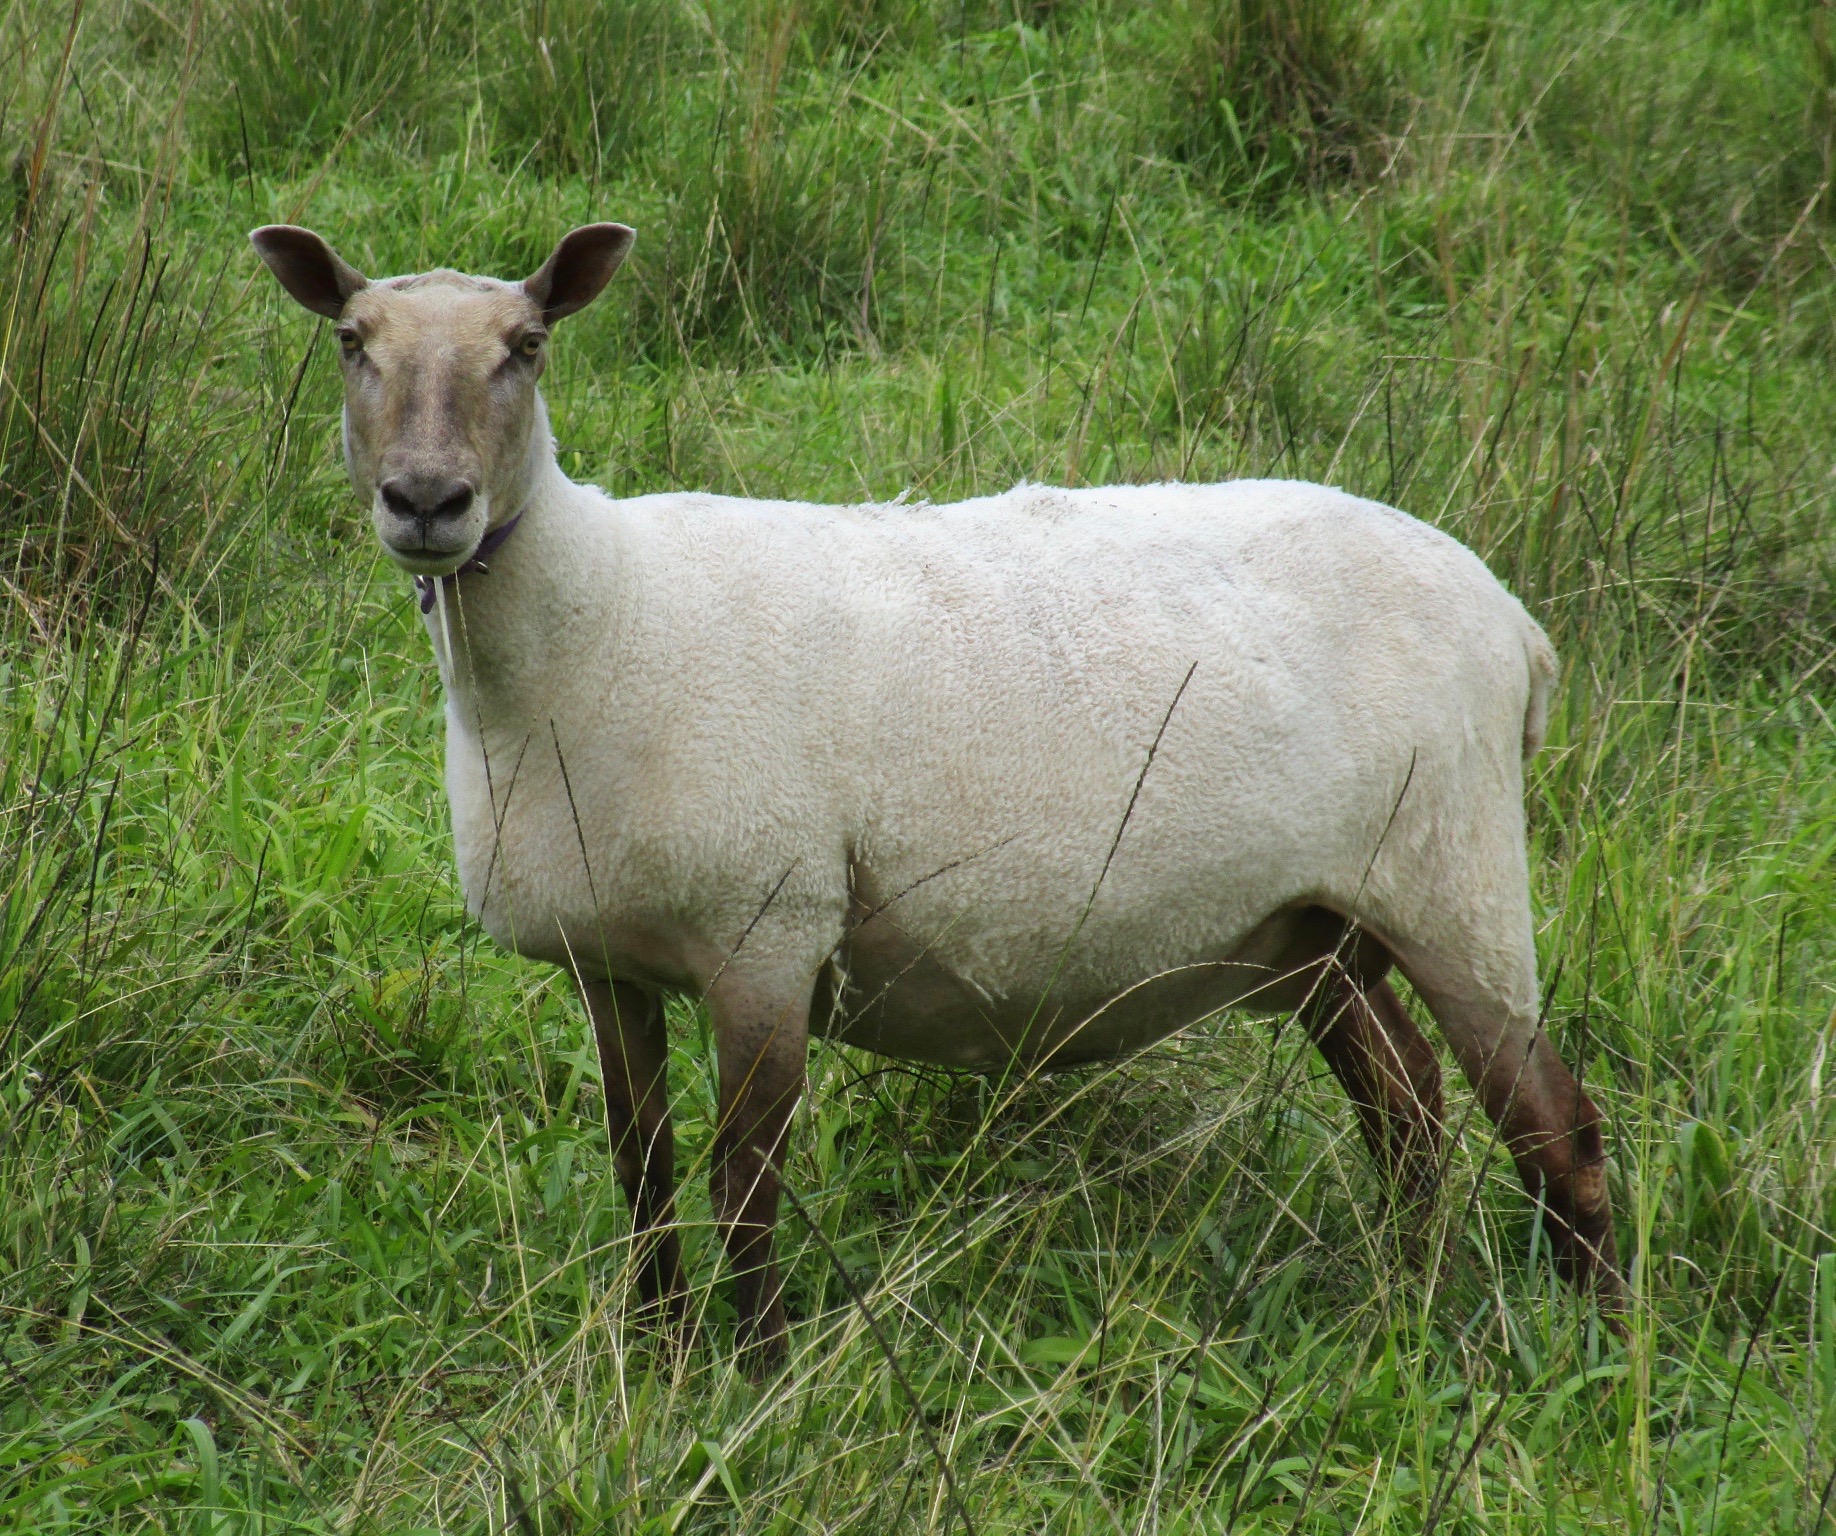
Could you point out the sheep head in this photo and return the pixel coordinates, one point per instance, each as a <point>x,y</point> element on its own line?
<point>440,371</point>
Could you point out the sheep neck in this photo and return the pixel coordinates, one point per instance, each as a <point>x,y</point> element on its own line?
<point>499,626</point>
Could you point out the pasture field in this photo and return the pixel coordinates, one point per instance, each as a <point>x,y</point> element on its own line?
<point>306,1222</point>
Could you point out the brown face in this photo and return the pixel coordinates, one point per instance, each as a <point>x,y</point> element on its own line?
<point>439,401</point>
<point>440,370</point>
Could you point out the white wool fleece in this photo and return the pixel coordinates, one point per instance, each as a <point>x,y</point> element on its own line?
<point>890,751</point>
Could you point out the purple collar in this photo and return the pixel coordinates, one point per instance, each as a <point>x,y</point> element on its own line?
<point>487,547</point>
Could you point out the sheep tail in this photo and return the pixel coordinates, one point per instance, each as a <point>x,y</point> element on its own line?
<point>1541,656</point>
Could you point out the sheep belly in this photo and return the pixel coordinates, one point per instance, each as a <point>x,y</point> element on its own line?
<point>895,998</point>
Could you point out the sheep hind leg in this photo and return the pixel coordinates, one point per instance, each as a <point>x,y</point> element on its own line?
<point>633,1065</point>
<point>1389,1072</point>
<point>1552,1129</point>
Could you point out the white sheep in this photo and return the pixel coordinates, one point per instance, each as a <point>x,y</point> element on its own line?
<point>1036,778</point>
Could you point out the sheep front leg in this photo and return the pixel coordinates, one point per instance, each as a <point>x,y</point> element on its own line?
<point>634,1066</point>
<point>761,1035</point>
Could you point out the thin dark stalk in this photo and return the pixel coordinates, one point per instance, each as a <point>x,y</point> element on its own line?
<point>1740,1376</point>
<point>856,1296</point>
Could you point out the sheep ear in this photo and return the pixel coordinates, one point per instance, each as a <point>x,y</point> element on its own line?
<point>308,268</point>
<point>581,265</point>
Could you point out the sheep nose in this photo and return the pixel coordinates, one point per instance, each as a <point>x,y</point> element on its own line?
<point>427,498</point>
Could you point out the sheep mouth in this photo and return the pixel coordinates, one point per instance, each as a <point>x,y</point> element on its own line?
<point>424,547</point>
<point>420,560</point>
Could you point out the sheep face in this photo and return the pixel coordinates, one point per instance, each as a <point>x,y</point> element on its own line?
<point>440,369</point>
<point>439,400</point>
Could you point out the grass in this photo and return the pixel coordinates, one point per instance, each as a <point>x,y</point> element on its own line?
<point>306,1221</point>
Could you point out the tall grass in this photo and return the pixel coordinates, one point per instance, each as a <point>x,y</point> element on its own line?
<point>305,1211</point>
<point>102,428</point>
<point>1264,93</point>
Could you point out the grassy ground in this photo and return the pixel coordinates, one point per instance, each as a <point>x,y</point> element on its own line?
<point>305,1216</point>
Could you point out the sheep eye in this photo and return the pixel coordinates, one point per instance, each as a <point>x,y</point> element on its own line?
<point>530,345</point>
<point>350,342</point>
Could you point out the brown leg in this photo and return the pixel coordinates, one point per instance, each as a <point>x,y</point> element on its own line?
<point>1553,1131</point>
<point>1550,1126</point>
<point>762,1036</point>
<point>1390,1074</point>
<point>634,1066</point>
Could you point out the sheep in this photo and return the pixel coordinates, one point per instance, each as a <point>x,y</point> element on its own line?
<point>1021,781</point>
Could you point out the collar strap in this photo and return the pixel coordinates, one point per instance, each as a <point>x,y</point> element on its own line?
<point>487,547</point>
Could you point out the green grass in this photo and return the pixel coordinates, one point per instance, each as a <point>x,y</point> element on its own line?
<point>306,1221</point>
